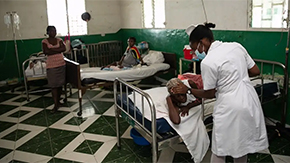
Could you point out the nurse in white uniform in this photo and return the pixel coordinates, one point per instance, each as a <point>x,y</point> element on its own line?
<point>239,126</point>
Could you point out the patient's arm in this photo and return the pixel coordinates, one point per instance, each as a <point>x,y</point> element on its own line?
<point>173,111</point>
<point>185,109</point>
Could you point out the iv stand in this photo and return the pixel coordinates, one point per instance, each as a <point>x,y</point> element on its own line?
<point>14,38</point>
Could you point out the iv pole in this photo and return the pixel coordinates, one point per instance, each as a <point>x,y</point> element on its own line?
<point>11,14</point>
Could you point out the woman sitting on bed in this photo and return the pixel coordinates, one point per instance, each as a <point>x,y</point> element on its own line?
<point>130,58</point>
<point>179,104</point>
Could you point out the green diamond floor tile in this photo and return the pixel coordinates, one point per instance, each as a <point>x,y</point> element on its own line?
<point>277,144</point>
<point>86,106</point>
<point>43,148</point>
<point>4,152</point>
<point>57,160</point>
<point>132,158</point>
<point>101,126</point>
<point>143,150</point>
<point>76,121</point>
<point>259,157</point>
<point>16,135</point>
<point>7,96</point>
<point>41,102</point>
<point>122,123</point>
<point>19,113</point>
<point>21,89</point>
<point>6,108</point>
<point>89,147</point>
<point>56,134</point>
<point>41,93</point>
<point>5,125</point>
<point>38,139</point>
<point>181,157</point>
<point>60,143</point>
<point>4,88</point>
<point>118,153</point>
<point>108,95</point>
<point>45,118</point>
<point>285,150</point>
<point>69,104</point>
<point>102,106</point>
<point>21,99</point>
<point>89,94</point>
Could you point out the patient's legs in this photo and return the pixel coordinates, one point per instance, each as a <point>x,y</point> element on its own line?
<point>217,159</point>
<point>241,159</point>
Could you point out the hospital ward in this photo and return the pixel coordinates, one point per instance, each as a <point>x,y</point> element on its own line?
<point>132,81</point>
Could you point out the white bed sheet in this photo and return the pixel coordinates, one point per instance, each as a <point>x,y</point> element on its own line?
<point>127,75</point>
<point>36,70</point>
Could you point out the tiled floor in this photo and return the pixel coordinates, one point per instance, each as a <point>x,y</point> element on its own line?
<point>30,133</point>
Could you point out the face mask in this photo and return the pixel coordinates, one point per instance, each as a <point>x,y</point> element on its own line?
<point>199,55</point>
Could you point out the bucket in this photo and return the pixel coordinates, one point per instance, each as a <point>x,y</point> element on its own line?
<point>137,138</point>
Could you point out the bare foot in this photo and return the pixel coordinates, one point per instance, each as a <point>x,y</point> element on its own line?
<point>54,110</point>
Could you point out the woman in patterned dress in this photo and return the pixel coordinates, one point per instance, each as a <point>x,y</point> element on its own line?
<point>55,64</point>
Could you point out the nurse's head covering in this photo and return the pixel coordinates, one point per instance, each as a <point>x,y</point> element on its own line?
<point>199,31</point>
<point>189,29</point>
<point>172,83</point>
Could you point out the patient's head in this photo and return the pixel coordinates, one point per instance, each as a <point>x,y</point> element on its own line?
<point>131,41</point>
<point>178,98</point>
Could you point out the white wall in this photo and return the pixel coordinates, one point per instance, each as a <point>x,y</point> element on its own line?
<point>33,18</point>
<point>106,17</point>
<point>131,13</point>
<point>226,14</point>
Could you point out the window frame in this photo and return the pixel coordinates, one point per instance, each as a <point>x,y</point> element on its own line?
<point>153,22</point>
<point>68,21</point>
<point>249,21</point>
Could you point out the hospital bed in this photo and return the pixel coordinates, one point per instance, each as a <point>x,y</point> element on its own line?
<point>94,77</point>
<point>34,68</point>
<point>159,133</point>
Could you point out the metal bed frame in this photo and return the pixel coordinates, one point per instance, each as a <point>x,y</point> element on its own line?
<point>151,136</point>
<point>34,76</point>
<point>121,87</point>
<point>74,77</point>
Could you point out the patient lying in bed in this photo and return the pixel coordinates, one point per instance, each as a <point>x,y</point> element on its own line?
<point>179,104</point>
<point>182,112</point>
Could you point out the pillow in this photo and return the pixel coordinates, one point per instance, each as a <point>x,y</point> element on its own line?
<point>154,57</point>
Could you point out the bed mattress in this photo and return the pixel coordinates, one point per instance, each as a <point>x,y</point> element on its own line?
<point>127,75</point>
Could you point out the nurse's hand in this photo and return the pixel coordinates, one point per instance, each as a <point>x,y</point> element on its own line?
<point>179,89</point>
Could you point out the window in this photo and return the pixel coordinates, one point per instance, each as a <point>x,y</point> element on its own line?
<point>57,15</point>
<point>269,13</point>
<point>154,13</point>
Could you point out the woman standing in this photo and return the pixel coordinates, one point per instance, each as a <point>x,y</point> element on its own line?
<point>239,126</point>
<point>55,64</point>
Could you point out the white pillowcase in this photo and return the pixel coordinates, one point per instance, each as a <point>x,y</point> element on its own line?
<point>154,57</point>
